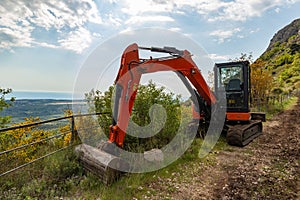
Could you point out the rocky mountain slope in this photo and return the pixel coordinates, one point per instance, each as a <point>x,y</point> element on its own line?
<point>284,34</point>
<point>282,58</point>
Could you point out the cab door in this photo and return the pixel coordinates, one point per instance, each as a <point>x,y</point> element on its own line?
<point>232,78</point>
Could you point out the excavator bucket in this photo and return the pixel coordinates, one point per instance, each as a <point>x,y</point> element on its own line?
<point>100,163</point>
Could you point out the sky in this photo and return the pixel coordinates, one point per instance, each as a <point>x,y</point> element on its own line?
<point>45,45</point>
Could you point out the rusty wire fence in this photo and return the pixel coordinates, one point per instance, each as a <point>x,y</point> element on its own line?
<point>72,131</point>
<point>270,103</point>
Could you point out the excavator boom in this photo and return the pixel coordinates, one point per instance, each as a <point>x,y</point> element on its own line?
<point>129,75</point>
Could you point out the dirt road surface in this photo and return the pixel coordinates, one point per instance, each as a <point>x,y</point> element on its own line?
<point>268,168</point>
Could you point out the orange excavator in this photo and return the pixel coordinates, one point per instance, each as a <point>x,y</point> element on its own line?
<point>232,80</point>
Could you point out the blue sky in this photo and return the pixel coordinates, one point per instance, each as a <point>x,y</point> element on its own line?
<point>45,43</point>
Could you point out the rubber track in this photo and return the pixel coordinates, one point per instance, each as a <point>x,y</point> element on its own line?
<point>241,135</point>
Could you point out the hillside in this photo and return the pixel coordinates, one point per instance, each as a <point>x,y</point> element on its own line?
<point>282,58</point>
<point>285,33</point>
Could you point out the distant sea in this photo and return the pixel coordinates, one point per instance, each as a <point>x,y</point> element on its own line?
<point>40,95</point>
<point>45,105</point>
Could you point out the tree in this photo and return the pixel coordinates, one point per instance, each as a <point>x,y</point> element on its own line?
<point>4,120</point>
<point>261,81</point>
<point>101,102</point>
<point>243,57</point>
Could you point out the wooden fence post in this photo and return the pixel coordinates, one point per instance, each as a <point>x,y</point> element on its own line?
<point>72,130</point>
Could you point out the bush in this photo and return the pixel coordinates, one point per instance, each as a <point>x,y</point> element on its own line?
<point>153,109</point>
<point>284,59</point>
<point>61,166</point>
<point>270,54</point>
<point>142,114</point>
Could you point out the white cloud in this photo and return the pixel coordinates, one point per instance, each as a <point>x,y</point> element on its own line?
<point>212,10</point>
<point>24,20</point>
<point>138,8</point>
<point>97,35</point>
<point>277,10</point>
<point>165,13</point>
<point>216,57</point>
<point>15,37</point>
<point>141,12</point>
<point>175,29</point>
<point>23,23</point>
<point>237,10</point>
<point>44,44</point>
<point>115,21</point>
<point>223,35</point>
<point>77,40</point>
<point>203,7</point>
<point>137,20</point>
<point>255,30</point>
<point>58,14</point>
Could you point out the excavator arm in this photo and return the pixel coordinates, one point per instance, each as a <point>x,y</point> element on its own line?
<point>129,76</point>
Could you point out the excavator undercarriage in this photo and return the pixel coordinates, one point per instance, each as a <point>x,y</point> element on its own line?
<point>242,134</point>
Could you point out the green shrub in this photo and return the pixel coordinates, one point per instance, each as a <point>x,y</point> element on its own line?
<point>61,166</point>
<point>284,59</point>
<point>270,54</point>
<point>147,96</point>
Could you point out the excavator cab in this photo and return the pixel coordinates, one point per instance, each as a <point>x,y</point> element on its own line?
<point>232,78</point>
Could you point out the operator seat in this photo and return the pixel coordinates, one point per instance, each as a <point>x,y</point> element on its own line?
<point>234,85</point>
